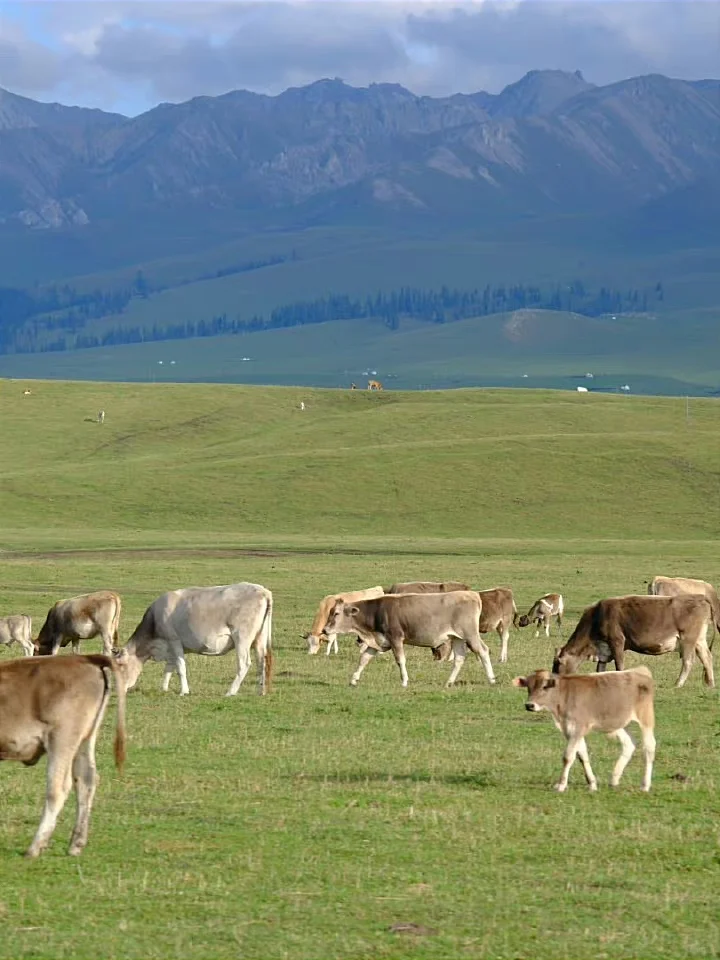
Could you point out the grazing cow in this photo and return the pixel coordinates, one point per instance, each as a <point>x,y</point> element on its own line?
<point>606,702</point>
<point>542,612</point>
<point>101,416</point>
<point>374,385</point>
<point>326,604</point>
<point>56,706</point>
<point>649,625</point>
<point>680,586</point>
<point>421,620</point>
<point>498,613</point>
<point>427,586</point>
<point>81,618</point>
<point>353,386</point>
<point>210,621</point>
<point>26,393</point>
<point>17,629</point>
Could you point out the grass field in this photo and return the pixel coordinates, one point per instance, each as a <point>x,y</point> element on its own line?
<point>309,822</point>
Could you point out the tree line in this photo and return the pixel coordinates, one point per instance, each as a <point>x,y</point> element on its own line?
<point>21,331</point>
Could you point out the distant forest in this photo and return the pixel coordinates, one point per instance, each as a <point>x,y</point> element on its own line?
<point>55,319</point>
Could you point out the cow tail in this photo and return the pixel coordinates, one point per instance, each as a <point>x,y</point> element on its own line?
<point>515,614</point>
<point>116,620</point>
<point>120,747</point>
<point>266,628</point>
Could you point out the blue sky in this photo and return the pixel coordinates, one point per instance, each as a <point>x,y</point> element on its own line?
<point>128,55</point>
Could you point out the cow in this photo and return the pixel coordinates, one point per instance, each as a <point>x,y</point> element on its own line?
<point>315,636</point>
<point>81,618</point>
<point>427,586</point>
<point>421,620</point>
<point>542,612</point>
<point>648,625</point>
<point>17,629</point>
<point>607,702</point>
<point>56,706</point>
<point>101,416</point>
<point>679,586</point>
<point>210,621</point>
<point>353,386</point>
<point>374,385</point>
<point>498,613</point>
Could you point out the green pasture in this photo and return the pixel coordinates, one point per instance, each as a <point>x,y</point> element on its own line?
<point>314,821</point>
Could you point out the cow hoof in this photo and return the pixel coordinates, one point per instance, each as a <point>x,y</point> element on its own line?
<point>353,682</point>
<point>32,853</point>
<point>592,787</point>
<point>560,787</point>
<point>76,850</point>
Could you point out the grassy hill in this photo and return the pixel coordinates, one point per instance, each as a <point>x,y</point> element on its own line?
<point>312,822</point>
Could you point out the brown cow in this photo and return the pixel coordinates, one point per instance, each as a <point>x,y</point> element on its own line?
<point>56,706</point>
<point>81,618</point>
<point>542,612</point>
<point>498,613</point>
<point>326,604</point>
<point>374,385</point>
<point>422,620</point>
<point>17,628</point>
<point>649,625</point>
<point>607,702</point>
<point>681,586</point>
<point>427,586</point>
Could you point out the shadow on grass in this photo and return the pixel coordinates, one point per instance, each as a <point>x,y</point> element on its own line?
<point>478,780</point>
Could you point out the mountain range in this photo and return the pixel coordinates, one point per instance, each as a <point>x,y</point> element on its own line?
<point>550,144</point>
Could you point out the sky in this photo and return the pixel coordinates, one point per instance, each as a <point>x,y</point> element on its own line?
<point>129,55</point>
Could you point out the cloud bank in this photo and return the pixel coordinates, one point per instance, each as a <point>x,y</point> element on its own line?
<point>131,54</point>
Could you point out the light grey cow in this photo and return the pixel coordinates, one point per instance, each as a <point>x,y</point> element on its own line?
<point>421,620</point>
<point>210,621</point>
<point>17,629</point>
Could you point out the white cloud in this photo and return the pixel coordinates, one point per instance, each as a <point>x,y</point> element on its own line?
<point>132,53</point>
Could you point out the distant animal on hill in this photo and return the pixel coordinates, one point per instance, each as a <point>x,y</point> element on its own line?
<point>542,612</point>
<point>81,618</point>
<point>302,404</point>
<point>101,416</point>
<point>374,385</point>
<point>353,386</point>
<point>26,393</point>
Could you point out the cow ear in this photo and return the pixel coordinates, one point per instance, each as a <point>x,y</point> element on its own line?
<point>549,684</point>
<point>519,682</point>
<point>352,611</point>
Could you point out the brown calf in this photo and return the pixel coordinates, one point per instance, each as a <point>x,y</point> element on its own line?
<point>606,702</point>
<point>498,613</point>
<point>81,618</point>
<point>56,706</point>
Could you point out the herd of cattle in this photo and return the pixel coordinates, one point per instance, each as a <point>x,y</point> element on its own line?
<point>56,705</point>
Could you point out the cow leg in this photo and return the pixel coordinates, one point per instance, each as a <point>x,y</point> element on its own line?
<point>182,673</point>
<point>628,749</point>
<point>687,652</point>
<point>167,675</point>
<point>331,641</point>
<point>547,627</point>
<point>571,751</point>
<point>458,649</point>
<point>479,648</point>
<point>107,643</point>
<point>582,752</point>
<point>86,781</point>
<point>365,657</point>
<point>398,649</point>
<point>59,784</point>
<point>504,632</point>
<point>601,666</point>
<point>76,646</point>
<point>648,738</point>
<point>705,657</point>
<point>243,665</point>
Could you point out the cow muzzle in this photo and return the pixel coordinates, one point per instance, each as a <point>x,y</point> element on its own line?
<point>532,707</point>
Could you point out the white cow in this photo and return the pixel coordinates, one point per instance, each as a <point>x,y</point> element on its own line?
<point>101,416</point>
<point>17,629</point>
<point>210,621</point>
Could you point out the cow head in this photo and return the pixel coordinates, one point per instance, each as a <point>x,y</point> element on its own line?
<point>340,619</point>
<point>443,651</point>
<point>130,664</point>
<point>541,689</point>
<point>313,642</point>
<point>45,645</point>
<point>524,620</point>
<point>566,662</point>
